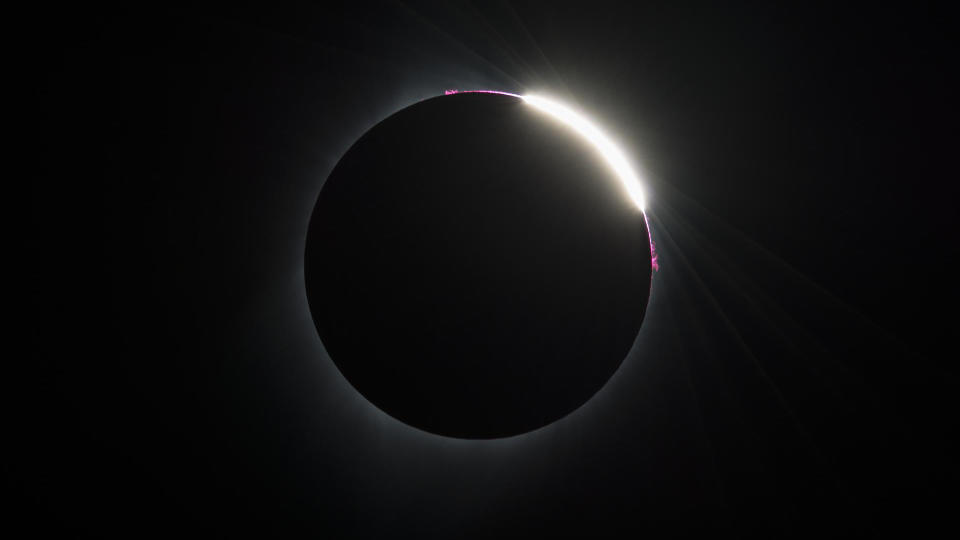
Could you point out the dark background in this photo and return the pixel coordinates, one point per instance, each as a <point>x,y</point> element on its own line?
<point>795,375</point>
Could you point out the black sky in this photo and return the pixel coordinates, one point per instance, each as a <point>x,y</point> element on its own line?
<point>795,374</point>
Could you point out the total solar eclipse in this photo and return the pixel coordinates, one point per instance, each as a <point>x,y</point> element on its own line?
<point>478,264</point>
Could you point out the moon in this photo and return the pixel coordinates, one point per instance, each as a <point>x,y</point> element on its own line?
<point>478,265</point>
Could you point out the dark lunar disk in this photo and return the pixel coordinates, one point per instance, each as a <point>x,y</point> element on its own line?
<point>475,268</point>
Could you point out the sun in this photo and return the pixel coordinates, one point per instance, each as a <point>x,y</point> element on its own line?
<point>610,151</point>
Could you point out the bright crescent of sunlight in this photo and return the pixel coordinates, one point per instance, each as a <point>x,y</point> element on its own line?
<point>607,148</point>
